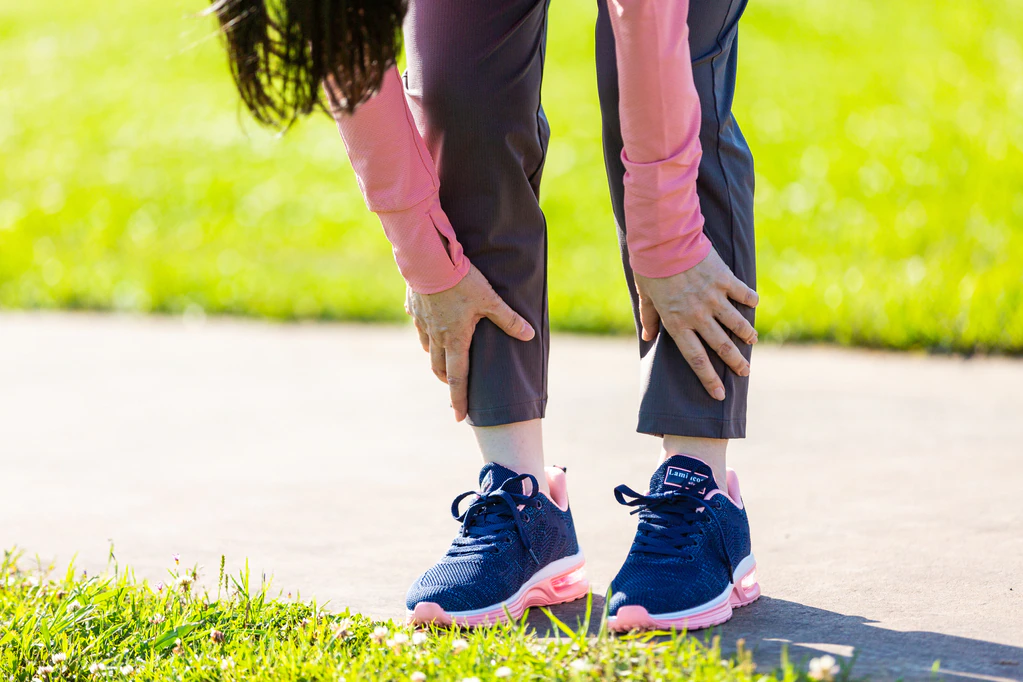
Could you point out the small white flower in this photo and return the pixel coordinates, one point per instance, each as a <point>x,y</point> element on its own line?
<point>58,657</point>
<point>459,645</point>
<point>157,618</point>
<point>503,671</point>
<point>73,605</point>
<point>400,638</point>
<point>343,628</point>
<point>419,638</point>
<point>127,670</point>
<point>417,676</point>
<point>823,669</point>
<point>226,663</point>
<point>184,580</point>
<point>581,665</point>
<point>380,634</point>
<point>44,670</point>
<point>97,668</point>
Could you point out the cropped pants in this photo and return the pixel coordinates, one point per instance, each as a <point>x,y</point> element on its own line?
<point>473,80</point>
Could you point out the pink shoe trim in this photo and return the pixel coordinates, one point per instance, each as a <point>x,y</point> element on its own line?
<point>567,584</point>
<point>732,493</point>
<point>747,589</point>
<point>744,591</point>
<point>557,481</point>
<point>732,483</point>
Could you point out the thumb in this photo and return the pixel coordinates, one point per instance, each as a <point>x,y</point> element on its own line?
<point>513,324</point>
<point>649,318</point>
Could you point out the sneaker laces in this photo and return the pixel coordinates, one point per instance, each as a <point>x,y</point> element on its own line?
<point>669,522</point>
<point>493,516</point>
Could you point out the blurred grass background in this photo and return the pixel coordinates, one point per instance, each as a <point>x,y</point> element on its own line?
<point>888,139</point>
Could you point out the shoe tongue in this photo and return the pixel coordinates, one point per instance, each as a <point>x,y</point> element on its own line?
<point>683,473</point>
<point>494,475</point>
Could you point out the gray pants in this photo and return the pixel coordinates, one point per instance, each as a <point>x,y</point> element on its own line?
<point>473,79</point>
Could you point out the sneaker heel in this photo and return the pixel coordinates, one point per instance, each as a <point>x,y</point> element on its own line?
<point>571,585</point>
<point>746,589</point>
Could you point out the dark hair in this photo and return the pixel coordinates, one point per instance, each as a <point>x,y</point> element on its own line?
<point>281,51</point>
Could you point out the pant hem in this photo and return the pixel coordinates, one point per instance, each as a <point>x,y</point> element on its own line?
<point>509,414</point>
<point>694,427</point>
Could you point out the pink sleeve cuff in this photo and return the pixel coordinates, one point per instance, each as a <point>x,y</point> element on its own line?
<point>428,255</point>
<point>399,183</point>
<point>662,211</point>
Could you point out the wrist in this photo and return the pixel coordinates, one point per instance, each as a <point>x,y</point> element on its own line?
<point>670,258</point>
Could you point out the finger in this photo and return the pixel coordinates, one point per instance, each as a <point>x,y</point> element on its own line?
<point>437,362</point>
<point>738,291</point>
<point>424,338</point>
<point>649,319</point>
<point>692,350</point>
<point>717,339</point>
<point>513,324</point>
<point>457,358</point>
<point>733,319</point>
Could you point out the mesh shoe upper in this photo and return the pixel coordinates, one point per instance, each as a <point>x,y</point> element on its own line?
<point>687,545</point>
<point>499,546</point>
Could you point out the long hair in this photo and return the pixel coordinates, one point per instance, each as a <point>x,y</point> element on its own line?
<point>281,51</point>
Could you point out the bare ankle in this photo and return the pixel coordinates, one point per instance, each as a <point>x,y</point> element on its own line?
<point>517,446</point>
<point>712,451</point>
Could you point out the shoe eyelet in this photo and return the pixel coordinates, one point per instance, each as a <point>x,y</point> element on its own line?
<point>525,518</point>
<point>538,504</point>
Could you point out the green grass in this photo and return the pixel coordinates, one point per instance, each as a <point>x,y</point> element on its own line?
<point>887,137</point>
<point>75,627</point>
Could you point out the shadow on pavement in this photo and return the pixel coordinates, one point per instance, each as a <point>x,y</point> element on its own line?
<point>769,625</point>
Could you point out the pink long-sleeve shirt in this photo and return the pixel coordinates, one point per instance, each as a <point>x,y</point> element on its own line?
<point>660,119</point>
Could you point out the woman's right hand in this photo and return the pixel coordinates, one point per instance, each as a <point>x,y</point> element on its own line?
<point>446,321</point>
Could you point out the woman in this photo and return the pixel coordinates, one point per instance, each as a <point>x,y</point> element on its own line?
<point>449,155</point>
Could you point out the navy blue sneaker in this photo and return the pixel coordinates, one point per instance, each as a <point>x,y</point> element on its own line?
<point>517,548</point>
<point>691,561</point>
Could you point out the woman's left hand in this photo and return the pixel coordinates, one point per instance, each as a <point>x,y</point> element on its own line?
<point>695,304</point>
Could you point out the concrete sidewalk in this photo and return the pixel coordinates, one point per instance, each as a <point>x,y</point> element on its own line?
<point>884,490</point>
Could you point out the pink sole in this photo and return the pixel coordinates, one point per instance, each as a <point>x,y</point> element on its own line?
<point>633,618</point>
<point>564,587</point>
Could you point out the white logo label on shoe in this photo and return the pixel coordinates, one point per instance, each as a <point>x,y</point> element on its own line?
<point>683,478</point>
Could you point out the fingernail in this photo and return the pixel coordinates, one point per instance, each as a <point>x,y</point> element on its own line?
<point>719,393</point>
